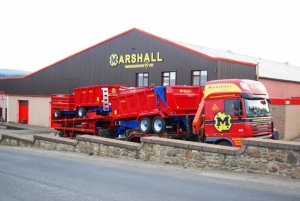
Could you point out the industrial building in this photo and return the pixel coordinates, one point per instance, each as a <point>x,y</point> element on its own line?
<point>137,58</point>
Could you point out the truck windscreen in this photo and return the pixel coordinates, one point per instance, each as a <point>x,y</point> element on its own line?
<point>257,108</point>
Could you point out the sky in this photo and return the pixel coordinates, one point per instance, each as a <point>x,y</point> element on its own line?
<point>37,33</point>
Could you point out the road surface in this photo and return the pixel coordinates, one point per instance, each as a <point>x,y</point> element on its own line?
<point>35,174</point>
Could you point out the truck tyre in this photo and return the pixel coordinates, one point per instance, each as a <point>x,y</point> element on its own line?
<point>57,113</point>
<point>107,133</point>
<point>158,125</point>
<point>145,125</point>
<point>225,143</point>
<point>75,135</point>
<point>81,112</point>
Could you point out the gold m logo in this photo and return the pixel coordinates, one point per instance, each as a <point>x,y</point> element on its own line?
<point>222,122</point>
<point>113,60</point>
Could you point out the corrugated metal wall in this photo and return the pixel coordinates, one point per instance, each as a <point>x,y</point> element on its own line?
<point>92,67</point>
<point>228,70</point>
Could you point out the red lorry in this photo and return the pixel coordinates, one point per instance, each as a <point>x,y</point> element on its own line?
<point>224,112</point>
<point>231,110</point>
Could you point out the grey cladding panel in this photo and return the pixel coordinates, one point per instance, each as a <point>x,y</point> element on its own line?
<point>92,67</point>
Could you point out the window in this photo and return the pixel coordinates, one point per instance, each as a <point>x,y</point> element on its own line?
<point>169,78</point>
<point>257,108</point>
<point>142,79</point>
<point>229,107</point>
<point>199,78</point>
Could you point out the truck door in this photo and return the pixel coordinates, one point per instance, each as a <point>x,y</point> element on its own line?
<point>236,124</point>
<point>212,108</point>
<point>222,121</point>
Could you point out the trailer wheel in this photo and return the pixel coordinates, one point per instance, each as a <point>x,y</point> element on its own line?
<point>158,125</point>
<point>57,113</point>
<point>81,112</point>
<point>145,125</point>
<point>60,133</point>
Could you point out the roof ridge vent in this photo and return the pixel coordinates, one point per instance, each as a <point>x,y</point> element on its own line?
<point>229,51</point>
<point>286,63</point>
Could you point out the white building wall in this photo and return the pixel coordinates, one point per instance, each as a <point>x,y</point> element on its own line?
<point>38,109</point>
<point>292,128</point>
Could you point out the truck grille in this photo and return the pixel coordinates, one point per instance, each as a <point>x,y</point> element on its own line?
<point>262,129</point>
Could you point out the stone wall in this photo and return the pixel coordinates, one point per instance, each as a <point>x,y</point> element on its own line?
<point>256,155</point>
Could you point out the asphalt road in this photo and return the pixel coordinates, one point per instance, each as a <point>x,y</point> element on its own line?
<point>35,174</point>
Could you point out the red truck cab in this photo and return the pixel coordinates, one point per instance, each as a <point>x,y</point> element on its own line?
<point>234,109</point>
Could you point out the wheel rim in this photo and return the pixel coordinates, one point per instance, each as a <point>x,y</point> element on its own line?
<point>157,125</point>
<point>57,114</point>
<point>80,113</point>
<point>144,125</point>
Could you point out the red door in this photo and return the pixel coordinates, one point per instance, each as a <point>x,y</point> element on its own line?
<point>23,111</point>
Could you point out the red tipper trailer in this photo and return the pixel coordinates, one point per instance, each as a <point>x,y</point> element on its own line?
<point>90,98</point>
<point>85,111</point>
<point>62,102</point>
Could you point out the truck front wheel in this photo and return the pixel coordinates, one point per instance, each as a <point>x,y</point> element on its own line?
<point>225,143</point>
<point>145,125</point>
<point>158,125</point>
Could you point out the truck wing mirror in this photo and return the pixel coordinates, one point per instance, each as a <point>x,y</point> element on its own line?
<point>263,102</point>
<point>238,112</point>
<point>237,107</point>
<point>237,104</point>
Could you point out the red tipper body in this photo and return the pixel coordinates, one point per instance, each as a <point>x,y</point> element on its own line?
<point>63,102</point>
<point>165,101</point>
<point>93,96</point>
<point>133,102</point>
